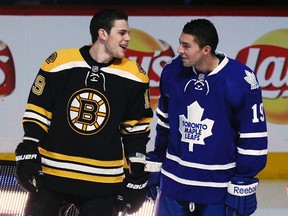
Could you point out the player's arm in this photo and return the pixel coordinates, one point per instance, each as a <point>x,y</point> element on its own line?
<point>156,157</point>
<point>135,136</point>
<point>253,138</point>
<point>36,122</point>
<point>135,129</point>
<point>251,153</point>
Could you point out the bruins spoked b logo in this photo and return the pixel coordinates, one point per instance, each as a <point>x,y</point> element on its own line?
<point>88,111</point>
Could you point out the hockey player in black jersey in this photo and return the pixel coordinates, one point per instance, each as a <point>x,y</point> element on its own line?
<point>211,131</point>
<point>88,110</point>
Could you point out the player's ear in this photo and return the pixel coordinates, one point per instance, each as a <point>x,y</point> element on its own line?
<point>206,49</point>
<point>102,33</point>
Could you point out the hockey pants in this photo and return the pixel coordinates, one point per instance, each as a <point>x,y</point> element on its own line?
<point>171,207</point>
<point>48,203</point>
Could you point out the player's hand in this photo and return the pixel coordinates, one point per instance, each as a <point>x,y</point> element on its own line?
<point>28,166</point>
<point>133,193</point>
<point>241,197</point>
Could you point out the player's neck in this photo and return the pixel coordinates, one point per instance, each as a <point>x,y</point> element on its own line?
<point>98,53</point>
<point>208,65</point>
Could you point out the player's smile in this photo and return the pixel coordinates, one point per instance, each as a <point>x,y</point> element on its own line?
<point>124,47</point>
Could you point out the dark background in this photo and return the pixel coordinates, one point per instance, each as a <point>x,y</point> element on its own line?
<point>267,3</point>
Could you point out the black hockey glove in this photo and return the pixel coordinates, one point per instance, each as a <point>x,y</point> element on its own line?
<point>133,194</point>
<point>28,166</point>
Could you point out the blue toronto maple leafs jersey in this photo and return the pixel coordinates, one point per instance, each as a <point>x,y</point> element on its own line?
<point>210,127</point>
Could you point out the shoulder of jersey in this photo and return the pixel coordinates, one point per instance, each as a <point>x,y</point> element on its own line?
<point>63,59</point>
<point>130,69</point>
<point>176,61</point>
<point>242,75</point>
<point>173,66</point>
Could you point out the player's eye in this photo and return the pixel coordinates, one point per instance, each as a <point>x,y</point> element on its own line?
<point>185,46</point>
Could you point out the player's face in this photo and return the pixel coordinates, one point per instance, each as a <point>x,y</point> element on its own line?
<point>118,39</point>
<point>189,50</point>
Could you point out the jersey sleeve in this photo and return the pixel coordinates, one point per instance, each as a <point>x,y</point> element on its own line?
<point>250,118</point>
<point>135,127</point>
<point>163,127</point>
<point>38,113</point>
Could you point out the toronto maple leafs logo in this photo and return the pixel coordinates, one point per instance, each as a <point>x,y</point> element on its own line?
<point>251,79</point>
<point>193,129</point>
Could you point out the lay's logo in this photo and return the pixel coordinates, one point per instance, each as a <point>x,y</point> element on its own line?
<point>152,55</point>
<point>268,57</point>
<point>7,70</point>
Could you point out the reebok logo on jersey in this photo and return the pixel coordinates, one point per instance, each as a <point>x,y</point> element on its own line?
<point>193,129</point>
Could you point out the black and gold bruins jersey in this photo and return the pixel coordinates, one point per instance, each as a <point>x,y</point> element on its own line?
<point>85,114</point>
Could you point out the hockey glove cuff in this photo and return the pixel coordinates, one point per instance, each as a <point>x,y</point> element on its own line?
<point>241,196</point>
<point>28,166</point>
<point>136,163</point>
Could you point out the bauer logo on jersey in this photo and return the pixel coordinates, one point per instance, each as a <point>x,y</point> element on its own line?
<point>88,111</point>
<point>193,129</point>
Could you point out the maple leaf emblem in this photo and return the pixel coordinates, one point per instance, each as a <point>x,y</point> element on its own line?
<point>251,79</point>
<point>193,129</point>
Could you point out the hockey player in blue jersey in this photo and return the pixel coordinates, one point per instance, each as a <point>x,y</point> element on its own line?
<point>211,132</point>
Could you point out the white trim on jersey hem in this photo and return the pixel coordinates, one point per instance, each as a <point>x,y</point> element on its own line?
<point>81,168</point>
<point>193,182</point>
<point>200,166</point>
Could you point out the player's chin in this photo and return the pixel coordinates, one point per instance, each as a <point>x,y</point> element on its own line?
<point>186,63</point>
<point>120,54</point>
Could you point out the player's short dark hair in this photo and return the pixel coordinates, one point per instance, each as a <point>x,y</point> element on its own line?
<point>204,32</point>
<point>105,19</point>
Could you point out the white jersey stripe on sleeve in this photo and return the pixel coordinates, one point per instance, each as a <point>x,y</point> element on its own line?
<point>159,112</point>
<point>252,152</point>
<point>163,124</point>
<point>253,135</point>
<point>35,116</point>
